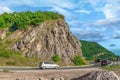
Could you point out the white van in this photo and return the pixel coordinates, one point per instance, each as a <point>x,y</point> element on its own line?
<point>44,65</point>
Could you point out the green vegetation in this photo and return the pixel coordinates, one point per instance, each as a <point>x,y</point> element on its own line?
<point>22,20</point>
<point>6,70</point>
<point>56,58</point>
<point>115,67</point>
<point>5,54</point>
<point>79,60</point>
<point>11,58</point>
<point>19,60</point>
<point>92,50</point>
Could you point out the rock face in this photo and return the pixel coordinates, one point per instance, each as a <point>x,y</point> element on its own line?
<point>48,39</point>
<point>2,34</point>
<point>99,75</point>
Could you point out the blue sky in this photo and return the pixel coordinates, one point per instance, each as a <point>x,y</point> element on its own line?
<point>92,20</point>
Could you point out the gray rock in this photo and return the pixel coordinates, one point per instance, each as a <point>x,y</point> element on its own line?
<point>57,78</point>
<point>48,39</point>
<point>3,34</point>
<point>21,79</point>
<point>99,75</point>
<point>42,78</point>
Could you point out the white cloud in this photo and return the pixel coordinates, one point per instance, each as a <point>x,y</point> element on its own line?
<point>39,3</point>
<point>114,22</point>
<point>90,36</point>
<point>64,4</point>
<point>110,8</point>
<point>83,11</point>
<point>68,15</point>
<point>108,12</point>
<point>5,9</point>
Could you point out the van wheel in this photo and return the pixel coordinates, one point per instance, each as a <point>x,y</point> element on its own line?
<point>43,67</point>
<point>56,67</point>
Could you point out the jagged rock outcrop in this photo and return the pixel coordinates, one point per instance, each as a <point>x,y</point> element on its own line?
<point>99,75</point>
<point>3,34</point>
<point>47,39</point>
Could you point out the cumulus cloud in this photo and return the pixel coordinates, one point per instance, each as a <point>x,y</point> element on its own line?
<point>5,9</point>
<point>105,29</point>
<point>107,22</point>
<point>110,8</point>
<point>90,36</point>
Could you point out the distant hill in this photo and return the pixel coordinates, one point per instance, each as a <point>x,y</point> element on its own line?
<point>92,50</point>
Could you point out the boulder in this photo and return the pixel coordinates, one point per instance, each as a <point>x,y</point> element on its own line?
<point>99,75</point>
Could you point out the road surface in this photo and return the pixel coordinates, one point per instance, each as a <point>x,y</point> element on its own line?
<point>61,68</point>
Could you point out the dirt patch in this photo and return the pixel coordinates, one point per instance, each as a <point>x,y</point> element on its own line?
<point>67,74</point>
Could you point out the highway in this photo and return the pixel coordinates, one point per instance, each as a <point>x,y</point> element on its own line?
<point>60,68</point>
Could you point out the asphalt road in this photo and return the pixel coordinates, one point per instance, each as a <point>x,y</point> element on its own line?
<point>29,68</point>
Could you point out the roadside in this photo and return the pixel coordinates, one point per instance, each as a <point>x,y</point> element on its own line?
<point>15,68</point>
<point>67,74</point>
<point>115,68</point>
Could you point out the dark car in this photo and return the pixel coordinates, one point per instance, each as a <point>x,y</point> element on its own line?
<point>105,62</point>
<point>117,59</point>
<point>98,60</point>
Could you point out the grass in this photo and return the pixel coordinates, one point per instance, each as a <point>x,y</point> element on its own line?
<point>19,60</point>
<point>111,67</point>
<point>11,58</point>
<point>6,70</point>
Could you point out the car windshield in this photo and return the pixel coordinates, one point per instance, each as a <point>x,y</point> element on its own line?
<point>48,63</point>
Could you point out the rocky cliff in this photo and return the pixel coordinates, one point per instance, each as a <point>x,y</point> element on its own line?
<point>46,40</point>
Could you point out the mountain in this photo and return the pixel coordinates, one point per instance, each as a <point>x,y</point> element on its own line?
<point>38,35</point>
<point>92,50</point>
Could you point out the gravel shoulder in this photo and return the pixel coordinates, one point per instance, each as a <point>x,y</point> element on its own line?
<point>67,74</point>
<point>117,71</point>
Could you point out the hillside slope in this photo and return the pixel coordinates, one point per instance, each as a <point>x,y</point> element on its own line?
<point>48,39</point>
<point>43,35</point>
<point>92,50</point>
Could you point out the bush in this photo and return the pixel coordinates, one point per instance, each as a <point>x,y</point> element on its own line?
<point>79,60</point>
<point>22,20</point>
<point>11,63</point>
<point>5,54</point>
<point>56,58</point>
